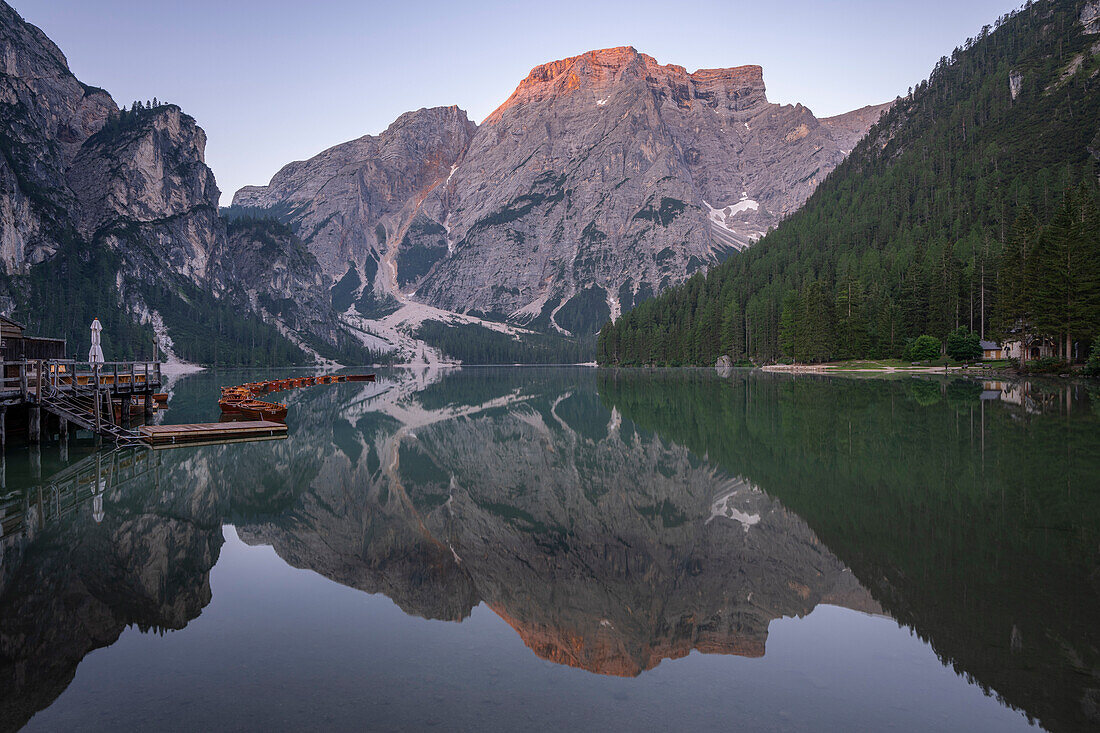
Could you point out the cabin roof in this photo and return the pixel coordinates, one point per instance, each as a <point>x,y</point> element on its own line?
<point>989,345</point>
<point>9,322</point>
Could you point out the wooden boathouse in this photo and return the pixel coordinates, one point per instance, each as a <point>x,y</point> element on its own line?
<point>42,392</point>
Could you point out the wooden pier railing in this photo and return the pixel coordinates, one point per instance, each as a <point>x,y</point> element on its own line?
<point>23,378</point>
<point>77,392</point>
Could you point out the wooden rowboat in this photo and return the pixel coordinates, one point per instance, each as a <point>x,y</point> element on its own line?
<point>260,410</point>
<point>360,377</point>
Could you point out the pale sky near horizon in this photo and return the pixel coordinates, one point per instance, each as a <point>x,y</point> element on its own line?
<point>274,81</point>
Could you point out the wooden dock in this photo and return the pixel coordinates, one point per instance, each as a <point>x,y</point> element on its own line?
<point>169,436</point>
<point>49,395</point>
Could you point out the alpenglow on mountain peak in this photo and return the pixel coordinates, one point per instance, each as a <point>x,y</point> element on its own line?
<point>603,179</point>
<point>602,69</point>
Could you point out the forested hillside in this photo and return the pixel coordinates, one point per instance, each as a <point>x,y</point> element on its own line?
<point>973,203</point>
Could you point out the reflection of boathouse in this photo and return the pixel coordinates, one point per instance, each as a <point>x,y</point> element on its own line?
<point>86,482</point>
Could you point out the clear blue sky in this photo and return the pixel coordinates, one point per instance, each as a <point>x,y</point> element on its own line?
<point>274,81</point>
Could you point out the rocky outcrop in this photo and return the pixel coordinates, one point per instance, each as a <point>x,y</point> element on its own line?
<point>849,128</point>
<point>46,114</point>
<point>347,202</point>
<point>1090,17</point>
<point>603,179</point>
<point>144,189</point>
<point>269,268</point>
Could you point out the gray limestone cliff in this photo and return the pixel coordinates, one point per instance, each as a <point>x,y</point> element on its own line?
<point>46,114</point>
<point>603,179</point>
<point>266,265</point>
<point>144,191</point>
<point>849,128</point>
<point>347,202</point>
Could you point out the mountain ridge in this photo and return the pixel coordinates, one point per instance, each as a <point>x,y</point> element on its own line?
<point>559,210</point>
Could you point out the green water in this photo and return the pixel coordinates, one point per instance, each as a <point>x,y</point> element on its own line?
<point>537,548</point>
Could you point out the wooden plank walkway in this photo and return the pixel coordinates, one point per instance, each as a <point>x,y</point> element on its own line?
<point>213,432</point>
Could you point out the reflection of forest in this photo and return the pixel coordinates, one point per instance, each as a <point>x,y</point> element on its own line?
<point>586,521</point>
<point>974,520</point>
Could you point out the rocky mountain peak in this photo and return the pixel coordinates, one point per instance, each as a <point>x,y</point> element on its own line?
<point>598,72</point>
<point>146,166</point>
<point>740,87</point>
<point>347,201</point>
<point>594,71</point>
<point>452,114</point>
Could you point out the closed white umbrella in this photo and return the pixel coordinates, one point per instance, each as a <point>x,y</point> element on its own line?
<point>95,354</point>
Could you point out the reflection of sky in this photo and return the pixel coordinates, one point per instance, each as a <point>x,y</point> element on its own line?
<point>284,648</point>
<point>273,81</point>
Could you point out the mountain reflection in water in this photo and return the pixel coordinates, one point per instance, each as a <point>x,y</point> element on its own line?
<point>614,520</point>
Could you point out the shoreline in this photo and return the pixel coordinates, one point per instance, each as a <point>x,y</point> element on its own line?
<point>976,372</point>
<point>179,368</point>
<point>836,369</point>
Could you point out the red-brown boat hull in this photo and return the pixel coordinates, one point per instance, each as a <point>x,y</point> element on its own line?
<point>259,410</point>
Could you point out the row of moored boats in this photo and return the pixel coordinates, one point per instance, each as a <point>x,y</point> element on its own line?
<point>241,400</point>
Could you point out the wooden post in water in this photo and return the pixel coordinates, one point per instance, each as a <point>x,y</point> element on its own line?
<point>149,392</point>
<point>23,379</point>
<point>38,402</point>
<point>3,429</point>
<point>98,417</point>
<point>34,418</point>
<point>36,463</point>
<point>126,400</point>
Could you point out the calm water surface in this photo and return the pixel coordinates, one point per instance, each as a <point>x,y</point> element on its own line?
<point>511,549</point>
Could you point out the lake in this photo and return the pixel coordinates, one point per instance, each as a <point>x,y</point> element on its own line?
<point>567,548</point>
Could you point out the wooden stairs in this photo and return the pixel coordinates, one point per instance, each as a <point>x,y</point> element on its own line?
<point>80,408</point>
